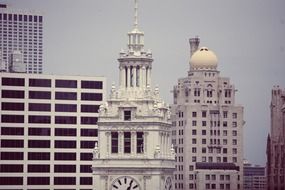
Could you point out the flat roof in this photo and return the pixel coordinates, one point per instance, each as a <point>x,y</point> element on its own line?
<point>216,166</point>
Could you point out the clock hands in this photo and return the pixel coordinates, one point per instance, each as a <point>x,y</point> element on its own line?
<point>130,186</point>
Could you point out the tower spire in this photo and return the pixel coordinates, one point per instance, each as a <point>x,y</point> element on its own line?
<point>136,14</point>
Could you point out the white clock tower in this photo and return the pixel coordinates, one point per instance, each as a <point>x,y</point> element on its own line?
<point>134,128</point>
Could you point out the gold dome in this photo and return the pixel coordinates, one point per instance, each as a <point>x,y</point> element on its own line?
<point>204,59</point>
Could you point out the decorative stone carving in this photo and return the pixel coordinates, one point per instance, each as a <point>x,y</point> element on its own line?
<point>156,91</point>
<point>172,152</point>
<point>113,91</point>
<point>157,152</point>
<point>96,153</point>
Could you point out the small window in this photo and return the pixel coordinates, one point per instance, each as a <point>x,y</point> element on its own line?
<point>204,113</point>
<point>140,142</point>
<point>115,142</point>
<point>127,115</point>
<point>92,84</point>
<point>127,142</point>
<point>38,180</point>
<point>12,168</point>
<point>13,81</point>
<point>66,83</point>
<point>40,82</point>
<point>225,114</point>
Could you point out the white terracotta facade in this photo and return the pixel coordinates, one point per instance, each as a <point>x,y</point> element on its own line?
<point>207,126</point>
<point>134,130</point>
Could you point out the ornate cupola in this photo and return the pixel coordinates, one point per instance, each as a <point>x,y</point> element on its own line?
<point>136,37</point>
<point>135,64</point>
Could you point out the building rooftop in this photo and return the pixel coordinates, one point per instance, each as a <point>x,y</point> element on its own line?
<point>216,166</point>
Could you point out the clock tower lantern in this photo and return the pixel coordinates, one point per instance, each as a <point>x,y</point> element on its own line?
<point>134,151</point>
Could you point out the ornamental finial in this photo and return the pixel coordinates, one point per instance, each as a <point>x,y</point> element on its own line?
<point>136,14</point>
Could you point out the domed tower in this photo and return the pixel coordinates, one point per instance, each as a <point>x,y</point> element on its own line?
<point>208,126</point>
<point>203,59</point>
<point>134,128</point>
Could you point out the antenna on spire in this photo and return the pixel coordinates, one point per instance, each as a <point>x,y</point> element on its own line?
<point>136,14</point>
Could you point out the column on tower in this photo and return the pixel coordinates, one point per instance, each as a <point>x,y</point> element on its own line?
<point>108,142</point>
<point>160,136</point>
<point>130,38</point>
<point>137,76</point>
<point>146,73</point>
<point>164,144</point>
<point>148,76</point>
<point>144,142</point>
<point>168,144</point>
<point>126,76</point>
<point>122,76</point>
<point>162,149</point>
<point>120,143</point>
<point>143,76</point>
<point>134,76</point>
<point>129,76</point>
<point>134,142</point>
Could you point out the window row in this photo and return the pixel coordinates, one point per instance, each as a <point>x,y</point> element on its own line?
<point>221,177</point>
<point>47,83</point>
<point>34,131</point>
<point>44,119</point>
<point>7,143</point>
<point>213,141</point>
<point>44,156</point>
<point>45,180</point>
<point>212,123</point>
<point>209,92</point>
<point>218,159</point>
<point>215,186</point>
<point>16,17</point>
<point>20,94</point>
<point>127,142</point>
<point>14,106</point>
<point>204,114</point>
<point>213,132</point>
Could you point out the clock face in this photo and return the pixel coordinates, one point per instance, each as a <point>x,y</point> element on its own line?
<point>168,184</point>
<point>125,183</point>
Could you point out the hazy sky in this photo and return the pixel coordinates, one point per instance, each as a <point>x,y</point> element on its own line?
<point>84,37</point>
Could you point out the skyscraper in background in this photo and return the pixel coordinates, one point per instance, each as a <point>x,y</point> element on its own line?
<point>254,177</point>
<point>207,126</point>
<point>21,31</point>
<point>276,141</point>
